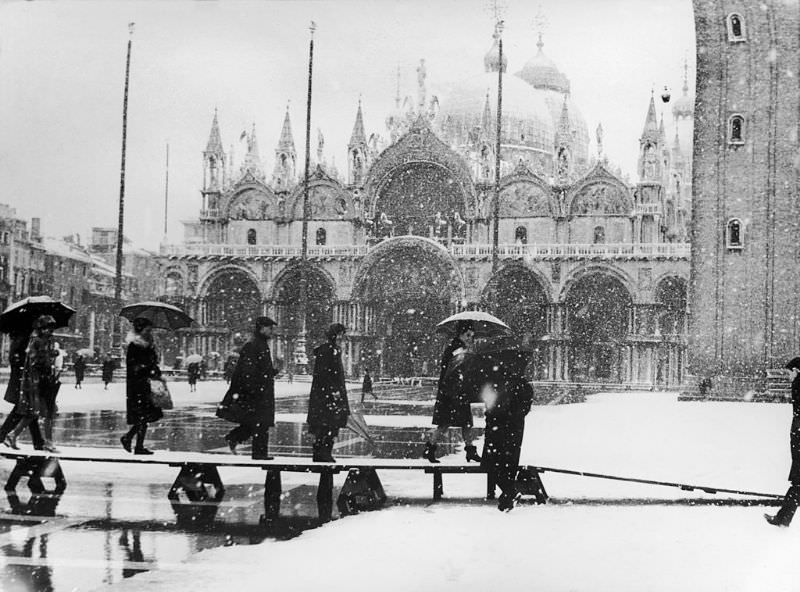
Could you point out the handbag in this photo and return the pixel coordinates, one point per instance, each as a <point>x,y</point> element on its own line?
<point>159,394</point>
<point>235,408</point>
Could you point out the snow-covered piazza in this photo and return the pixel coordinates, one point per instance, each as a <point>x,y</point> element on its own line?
<point>461,295</point>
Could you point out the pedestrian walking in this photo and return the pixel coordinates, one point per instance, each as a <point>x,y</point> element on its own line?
<point>193,373</point>
<point>39,385</point>
<point>141,361</point>
<point>79,366</point>
<point>508,397</point>
<point>454,394</point>
<point>14,423</point>
<point>792,498</point>
<point>250,400</point>
<point>108,370</point>
<point>328,408</point>
<point>366,386</point>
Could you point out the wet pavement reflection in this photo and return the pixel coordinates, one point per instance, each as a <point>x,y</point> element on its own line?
<point>102,531</point>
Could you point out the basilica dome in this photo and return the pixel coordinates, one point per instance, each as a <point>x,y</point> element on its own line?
<point>542,73</point>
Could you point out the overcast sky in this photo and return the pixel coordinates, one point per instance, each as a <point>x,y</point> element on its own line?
<point>62,70</point>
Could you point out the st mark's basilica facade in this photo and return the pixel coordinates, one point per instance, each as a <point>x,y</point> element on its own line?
<point>593,270</point>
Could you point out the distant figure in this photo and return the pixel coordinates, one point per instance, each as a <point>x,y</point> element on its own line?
<point>250,400</point>
<point>108,370</point>
<point>141,361</point>
<point>366,386</point>
<point>193,373</point>
<point>328,408</point>
<point>16,359</point>
<point>792,498</point>
<point>203,369</point>
<point>289,374</point>
<point>80,368</point>
<point>452,407</point>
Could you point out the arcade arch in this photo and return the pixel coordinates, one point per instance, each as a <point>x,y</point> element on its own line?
<point>598,311</point>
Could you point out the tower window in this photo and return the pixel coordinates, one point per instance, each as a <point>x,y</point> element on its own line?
<point>734,234</point>
<point>322,236</point>
<point>521,235</point>
<point>736,31</point>
<point>251,236</point>
<point>599,235</point>
<point>736,129</point>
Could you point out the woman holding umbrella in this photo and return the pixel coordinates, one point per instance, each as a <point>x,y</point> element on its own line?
<point>452,407</point>
<point>142,366</point>
<point>14,423</point>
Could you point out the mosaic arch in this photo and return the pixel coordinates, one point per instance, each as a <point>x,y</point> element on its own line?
<point>671,295</point>
<point>600,194</point>
<point>327,200</point>
<point>232,300</point>
<point>598,310</point>
<point>518,296</point>
<point>409,284</point>
<point>252,201</point>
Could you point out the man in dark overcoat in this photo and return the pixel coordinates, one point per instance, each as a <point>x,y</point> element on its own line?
<point>508,397</point>
<point>16,359</point>
<point>328,408</point>
<point>453,394</point>
<point>792,498</point>
<point>250,400</point>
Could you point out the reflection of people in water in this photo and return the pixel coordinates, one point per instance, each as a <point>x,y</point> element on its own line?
<point>132,552</point>
<point>40,577</point>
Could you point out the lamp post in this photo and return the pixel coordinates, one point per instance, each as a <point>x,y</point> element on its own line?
<point>496,215</point>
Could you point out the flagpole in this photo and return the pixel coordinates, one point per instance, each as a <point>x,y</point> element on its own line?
<point>121,217</point>
<point>166,195</point>
<point>300,345</point>
<point>496,235</point>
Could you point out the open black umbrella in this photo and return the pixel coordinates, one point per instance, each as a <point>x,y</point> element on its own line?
<point>20,315</point>
<point>163,316</point>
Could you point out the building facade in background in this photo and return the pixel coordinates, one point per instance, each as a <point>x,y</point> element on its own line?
<point>745,289</point>
<point>593,268</point>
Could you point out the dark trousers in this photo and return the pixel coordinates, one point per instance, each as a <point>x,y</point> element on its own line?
<point>259,434</point>
<point>789,507</point>
<point>11,422</point>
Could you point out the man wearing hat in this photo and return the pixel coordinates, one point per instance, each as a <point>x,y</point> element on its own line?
<point>792,499</point>
<point>250,400</point>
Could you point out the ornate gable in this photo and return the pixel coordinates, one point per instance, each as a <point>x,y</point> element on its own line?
<point>328,200</point>
<point>600,193</point>
<point>251,200</point>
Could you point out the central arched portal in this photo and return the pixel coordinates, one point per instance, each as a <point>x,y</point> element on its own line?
<point>409,285</point>
<point>598,310</point>
<point>319,299</point>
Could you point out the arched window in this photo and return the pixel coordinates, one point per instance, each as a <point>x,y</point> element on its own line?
<point>736,30</point>
<point>173,286</point>
<point>322,236</point>
<point>599,235</point>
<point>736,129</point>
<point>734,234</point>
<point>521,235</point>
<point>251,236</point>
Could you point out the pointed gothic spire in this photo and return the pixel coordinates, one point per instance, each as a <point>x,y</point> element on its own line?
<point>358,137</point>
<point>214,140</point>
<point>487,123</point>
<point>286,143</point>
<point>651,122</point>
<point>564,133</point>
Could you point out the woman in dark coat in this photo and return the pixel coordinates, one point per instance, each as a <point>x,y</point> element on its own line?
<point>328,408</point>
<point>508,397</point>
<point>108,370</point>
<point>792,498</point>
<point>80,368</point>
<point>16,358</point>
<point>250,400</point>
<point>141,366</point>
<point>454,394</point>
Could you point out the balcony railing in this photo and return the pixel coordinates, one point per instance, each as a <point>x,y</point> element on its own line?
<point>458,251</point>
<point>648,209</point>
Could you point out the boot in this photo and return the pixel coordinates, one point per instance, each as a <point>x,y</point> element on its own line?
<point>317,454</point>
<point>430,453</point>
<point>472,453</point>
<point>327,450</point>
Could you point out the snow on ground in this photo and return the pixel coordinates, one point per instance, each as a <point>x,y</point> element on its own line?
<point>465,544</point>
